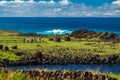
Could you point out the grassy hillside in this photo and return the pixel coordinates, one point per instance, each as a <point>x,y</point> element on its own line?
<point>9,32</point>
<point>51,47</point>
<point>75,47</point>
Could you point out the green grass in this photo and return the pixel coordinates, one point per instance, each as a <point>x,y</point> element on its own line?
<point>74,47</point>
<point>101,48</point>
<point>3,75</point>
<point>115,76</point>
<point>14,75</point>
<point>10,56</point>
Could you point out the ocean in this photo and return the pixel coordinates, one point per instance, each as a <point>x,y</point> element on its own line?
<point>59,25</point>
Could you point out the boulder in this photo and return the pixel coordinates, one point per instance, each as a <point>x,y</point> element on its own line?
<point>57,39</point>
<point>1,47</point>
<point>14,47</point>
<point>38,54</point>
<point>6,48</point>
<point>51,39</point>
<point>67,38</point>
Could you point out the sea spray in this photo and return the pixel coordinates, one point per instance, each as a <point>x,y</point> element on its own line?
<point>55,31</point>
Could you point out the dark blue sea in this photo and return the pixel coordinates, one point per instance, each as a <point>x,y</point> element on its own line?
<point>61,25</point>
<point>82,67</point>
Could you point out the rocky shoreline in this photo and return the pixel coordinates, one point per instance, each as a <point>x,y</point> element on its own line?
<point>66,59</point>
<point>39,74</point>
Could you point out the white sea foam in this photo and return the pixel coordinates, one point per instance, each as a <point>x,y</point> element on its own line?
<point>55,31</point>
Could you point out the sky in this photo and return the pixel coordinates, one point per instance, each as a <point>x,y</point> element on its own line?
<point>59,8</point>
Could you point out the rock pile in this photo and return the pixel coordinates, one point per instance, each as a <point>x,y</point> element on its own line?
<point>64,59</point>
<point>66,75</point>
<point>91,34</point>
<point>88,59</point>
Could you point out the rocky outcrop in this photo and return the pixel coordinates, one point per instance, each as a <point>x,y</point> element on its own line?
<point>91,34</point>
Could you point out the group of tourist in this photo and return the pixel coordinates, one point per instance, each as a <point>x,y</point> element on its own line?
<point>33,40</point>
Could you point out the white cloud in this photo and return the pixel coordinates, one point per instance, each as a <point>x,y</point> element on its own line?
<point>64,2</point>
<point>17,0</point>
<point>116,2</point>
<point>47,2</point>
<point>56,9</point>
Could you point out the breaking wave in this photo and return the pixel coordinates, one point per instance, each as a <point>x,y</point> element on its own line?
<point>55,31</point>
